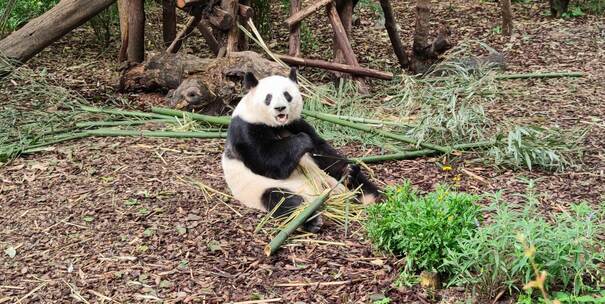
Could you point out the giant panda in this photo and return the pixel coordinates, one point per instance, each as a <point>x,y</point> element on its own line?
<point>271,152</point>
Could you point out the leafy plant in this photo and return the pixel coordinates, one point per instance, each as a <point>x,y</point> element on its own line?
<point>262,16</point>
<point>575,11</point>
<point>596,7</point>
<point>423,228</point>
<point>16,13</point>
<point>492,259</point>
<point>105,24</point>
<point>531,147</point>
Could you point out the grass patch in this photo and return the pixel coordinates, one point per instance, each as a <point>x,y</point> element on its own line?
<point>423,228</point>
<point>494,259</point>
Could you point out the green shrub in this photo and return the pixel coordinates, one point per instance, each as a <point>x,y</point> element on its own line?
<point>567,248</point>
<point>15,13</point>
<point>423,228</point>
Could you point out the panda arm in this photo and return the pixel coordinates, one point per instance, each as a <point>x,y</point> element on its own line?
<point>270,156</point>
<point>325,156</point>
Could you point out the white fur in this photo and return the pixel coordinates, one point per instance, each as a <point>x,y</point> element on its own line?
<point>252,107</point>
<point>248,187</point>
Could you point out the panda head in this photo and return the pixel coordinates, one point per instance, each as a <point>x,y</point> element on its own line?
<point>274,101</point>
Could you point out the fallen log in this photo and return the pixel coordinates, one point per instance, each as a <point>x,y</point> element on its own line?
<point>206,85</point>
<point>42,31</point>
<point>338,67</point>
<point>302,14</point>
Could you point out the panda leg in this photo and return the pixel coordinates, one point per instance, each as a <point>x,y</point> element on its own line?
<point>287,204</point>
<point>369,191</point>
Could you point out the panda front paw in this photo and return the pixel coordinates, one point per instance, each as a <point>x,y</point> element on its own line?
<point>314,224</point>
<point>305,141</point>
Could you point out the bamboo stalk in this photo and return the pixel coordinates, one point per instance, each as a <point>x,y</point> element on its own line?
<point>281,237</point>
<point>172,134</point>
<point>219,120</point>
<point>540,75</point>
<point>361,127</point>
<point>367,120</point>
<point>112,123</point>
<point>15,150</point>
<point>124,112</point>
<point>418,153</point>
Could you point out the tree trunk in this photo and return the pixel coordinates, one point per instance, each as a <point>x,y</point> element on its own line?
<point>558,7</point>
<point>242,43</point>
<point>294,42</point>
<point>391,26</point>
<point>42,31</point>
<point>423,30</point>
<point>342,25</point>
<point>175,46</point>
<point>210,86</point>
<point>507,17</point>
<point>168,21</point>
<point>231,6</point>
<point>206,31</point>
<point>123,14</point>
<point>136,31</point>
<point>426,54</point>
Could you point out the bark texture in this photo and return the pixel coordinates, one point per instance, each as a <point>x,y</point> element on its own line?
<point>136,31</point>
<point>206,85</point>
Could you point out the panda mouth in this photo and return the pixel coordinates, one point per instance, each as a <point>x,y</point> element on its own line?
<point>282,118</point>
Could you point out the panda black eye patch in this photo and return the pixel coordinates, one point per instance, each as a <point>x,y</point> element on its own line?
<point>268,99</point>
<point>288,96</point>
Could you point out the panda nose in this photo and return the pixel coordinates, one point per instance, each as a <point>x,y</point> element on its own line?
<point>279,109</point>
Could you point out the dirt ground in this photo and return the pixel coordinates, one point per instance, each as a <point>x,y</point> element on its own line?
<point>105,220</point>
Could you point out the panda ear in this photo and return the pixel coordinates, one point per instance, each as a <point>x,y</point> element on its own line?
<point>292,75</point>
<point>250,81</point>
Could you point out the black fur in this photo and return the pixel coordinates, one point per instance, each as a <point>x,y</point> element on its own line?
<point>287,204</point>
<point>263,150</point>
<point>250,81</point>
<point>332,162</point>
<point>293,75</point>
